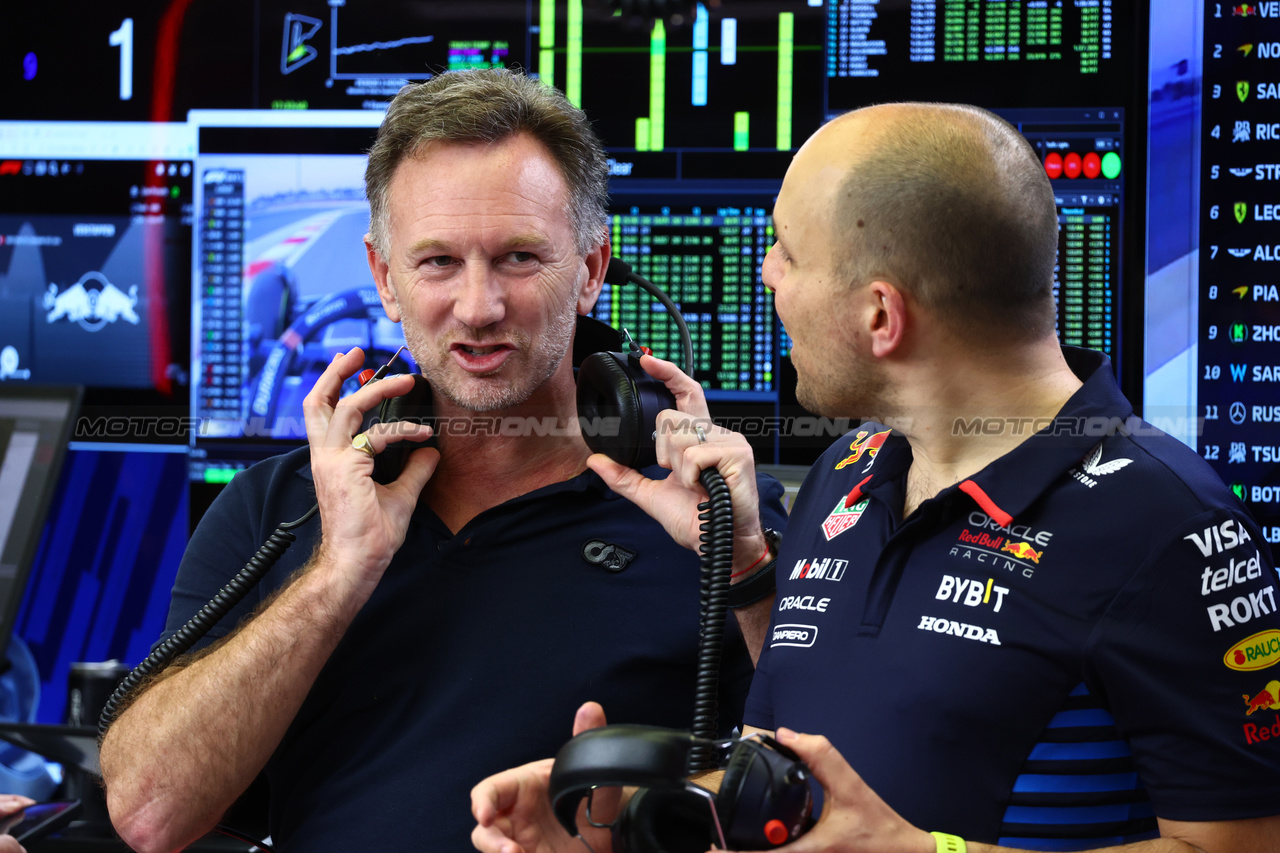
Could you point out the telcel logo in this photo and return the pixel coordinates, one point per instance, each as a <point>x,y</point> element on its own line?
<point>1258,651</point>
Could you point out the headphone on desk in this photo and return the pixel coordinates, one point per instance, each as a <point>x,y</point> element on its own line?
<point>764,799</point>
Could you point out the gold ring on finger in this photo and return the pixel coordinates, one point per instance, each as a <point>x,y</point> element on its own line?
<point>362,443</point>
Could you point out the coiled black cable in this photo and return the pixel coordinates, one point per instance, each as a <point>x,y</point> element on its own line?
<point>716,514</point>
<point>208,616</point>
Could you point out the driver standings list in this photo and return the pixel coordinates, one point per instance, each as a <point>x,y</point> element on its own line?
<point>1239,268</point>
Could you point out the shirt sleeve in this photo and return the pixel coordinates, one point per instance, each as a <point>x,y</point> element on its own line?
<point>1185,657</point>
<point>228,535</point>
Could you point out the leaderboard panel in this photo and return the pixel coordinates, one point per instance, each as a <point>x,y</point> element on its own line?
<point>988,52</point>
<point>1238,383</point>
<point>281,279</point>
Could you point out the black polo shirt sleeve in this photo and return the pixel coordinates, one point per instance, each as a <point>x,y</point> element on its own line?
<point>235,526</point>
<point>1185,656</point>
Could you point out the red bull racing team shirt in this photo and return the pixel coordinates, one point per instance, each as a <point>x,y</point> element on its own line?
<point>1076,639</point>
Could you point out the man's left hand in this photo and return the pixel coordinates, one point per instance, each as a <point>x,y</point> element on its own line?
<point>688,443</point>
<point>513,812</point>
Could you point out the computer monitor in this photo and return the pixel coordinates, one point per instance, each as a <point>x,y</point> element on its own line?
<point>95,244</point>
<point>35,423</point>
<point>1212,304</point>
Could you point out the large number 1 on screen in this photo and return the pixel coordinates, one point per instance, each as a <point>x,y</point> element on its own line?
<point>123,39</point>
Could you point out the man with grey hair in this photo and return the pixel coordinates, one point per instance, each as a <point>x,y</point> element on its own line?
<point>1015,615</point>
<point>446,624</point>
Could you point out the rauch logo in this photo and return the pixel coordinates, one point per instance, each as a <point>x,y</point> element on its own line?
<point>1258,651</point>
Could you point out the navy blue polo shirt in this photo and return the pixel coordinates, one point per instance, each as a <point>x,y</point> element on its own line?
<point>473,653</point>
<point>1076,639</point>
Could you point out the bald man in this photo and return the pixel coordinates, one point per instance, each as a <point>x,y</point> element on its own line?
<point>1021,617</point>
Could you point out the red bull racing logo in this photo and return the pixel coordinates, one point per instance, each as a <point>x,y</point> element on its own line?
<point>93,302</point>
<point>1022,551</point>
<point>1268,699</point>
<point>1011,548</point>
<point>864,444</point>
<point>1244,10</point>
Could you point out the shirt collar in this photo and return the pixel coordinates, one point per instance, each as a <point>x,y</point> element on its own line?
<point>1010,484</point>
<point>1095,411</point>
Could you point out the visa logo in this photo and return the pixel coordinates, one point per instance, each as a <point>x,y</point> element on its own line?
<point>1218,538</point>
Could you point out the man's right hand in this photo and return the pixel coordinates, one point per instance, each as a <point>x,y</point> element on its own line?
<point>189,745</point>
<point>513,812</point>
<point>364,522</point>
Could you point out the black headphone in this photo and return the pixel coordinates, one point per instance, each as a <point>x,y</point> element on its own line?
<point>617,404</point>
<point>764,800</point>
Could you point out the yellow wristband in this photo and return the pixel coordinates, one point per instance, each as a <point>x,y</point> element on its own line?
<point>949,843</point>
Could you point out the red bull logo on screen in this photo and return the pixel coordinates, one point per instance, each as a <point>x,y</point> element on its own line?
<point>92,302</point>
<point>1258,651</point>
<point>864,444</point>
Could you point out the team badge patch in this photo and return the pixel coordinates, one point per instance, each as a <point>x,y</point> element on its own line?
<point>615,558</point>
<point>842,518</point>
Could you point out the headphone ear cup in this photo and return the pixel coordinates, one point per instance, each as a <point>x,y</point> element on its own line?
<point>664,821</point>
<point>764,799</point>
<point>414,406</point>
<point>606,390</point>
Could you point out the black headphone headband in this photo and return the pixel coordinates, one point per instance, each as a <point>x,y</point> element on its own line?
<point>644,756</point>
<point>764,798</point>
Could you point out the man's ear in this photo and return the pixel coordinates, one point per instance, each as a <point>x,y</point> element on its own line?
<point>382,278</point>
<point>889,318</point>
<point>597,261</point>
